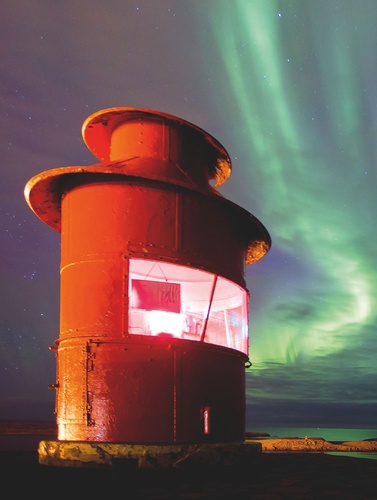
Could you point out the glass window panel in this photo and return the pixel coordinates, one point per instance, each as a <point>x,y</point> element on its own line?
<point>187,303</point>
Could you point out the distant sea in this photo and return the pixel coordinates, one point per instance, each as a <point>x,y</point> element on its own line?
<point>327,433</point>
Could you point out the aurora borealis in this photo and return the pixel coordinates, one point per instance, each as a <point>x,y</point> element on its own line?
<point>302,87</point>
<point>289,88</point>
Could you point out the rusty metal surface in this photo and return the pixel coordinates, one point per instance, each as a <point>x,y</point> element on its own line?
<point>149,390</point>
<point>151,199</point>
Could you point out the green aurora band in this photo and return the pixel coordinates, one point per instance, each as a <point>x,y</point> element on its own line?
<point>295,77</point>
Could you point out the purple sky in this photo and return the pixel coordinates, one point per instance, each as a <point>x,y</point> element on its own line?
<point>289,88</point>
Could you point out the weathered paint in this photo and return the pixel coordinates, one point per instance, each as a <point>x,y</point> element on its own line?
<point>151,197</point>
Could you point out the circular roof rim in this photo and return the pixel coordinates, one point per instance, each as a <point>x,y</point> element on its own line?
<point>115,113</point>
<point>48,180</point>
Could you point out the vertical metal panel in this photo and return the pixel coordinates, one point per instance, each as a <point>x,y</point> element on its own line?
<point>212,378</point>
<point>72,387</point>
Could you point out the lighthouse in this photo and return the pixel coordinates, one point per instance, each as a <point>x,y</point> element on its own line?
<point>153,342</point>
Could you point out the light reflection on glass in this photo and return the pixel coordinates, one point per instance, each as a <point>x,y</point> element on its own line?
<point>187,303</point>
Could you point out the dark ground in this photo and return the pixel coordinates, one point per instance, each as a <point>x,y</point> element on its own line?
<point>268,476</point>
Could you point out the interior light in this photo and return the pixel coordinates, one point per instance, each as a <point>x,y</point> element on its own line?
<point>162,322</point>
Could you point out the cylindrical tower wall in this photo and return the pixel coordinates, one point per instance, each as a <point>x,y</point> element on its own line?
<point>117,387</point>
<point>149,390</point>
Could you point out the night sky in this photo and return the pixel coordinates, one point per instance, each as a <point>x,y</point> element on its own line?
<point>289,88</point>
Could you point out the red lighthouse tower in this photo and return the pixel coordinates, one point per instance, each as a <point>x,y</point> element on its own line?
<point>153,336</point>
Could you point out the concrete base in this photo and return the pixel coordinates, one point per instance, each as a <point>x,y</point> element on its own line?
<point>106,455</point>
